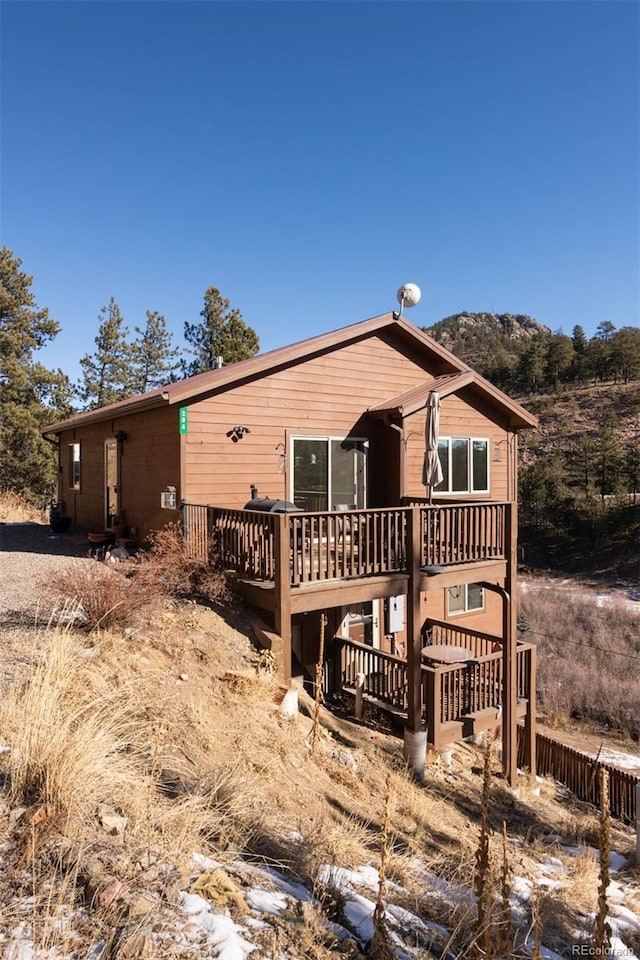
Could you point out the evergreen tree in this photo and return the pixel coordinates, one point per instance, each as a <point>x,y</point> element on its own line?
<point>609,459</point>
<point>153,356</point>
<point>30,395</point>
<point>222,333</point>
<point>600,351</point>
<point>560,355</point>
<point>625,354</point>
<point>580,367</point>
<point>531,365</point>
<point>107,374</point>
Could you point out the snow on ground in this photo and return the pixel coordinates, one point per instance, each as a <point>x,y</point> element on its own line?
<point>200,926</point>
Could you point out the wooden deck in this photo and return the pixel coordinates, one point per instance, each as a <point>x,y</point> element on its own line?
<point>334,545</point>
<point>297,563</point>
<point>458,700</point>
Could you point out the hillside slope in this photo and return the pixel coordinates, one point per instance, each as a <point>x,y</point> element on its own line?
<point>157,802</point>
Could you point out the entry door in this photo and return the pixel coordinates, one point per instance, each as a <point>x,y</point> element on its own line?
<point>111,481</point>
<point>362,623</point>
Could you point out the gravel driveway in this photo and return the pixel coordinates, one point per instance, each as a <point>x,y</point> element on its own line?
<point>28,552</point>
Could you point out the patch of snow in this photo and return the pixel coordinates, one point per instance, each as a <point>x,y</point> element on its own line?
<point>205,864</point>
<point>359,912</point>
<point>222,932</point>
<point>266,901</point>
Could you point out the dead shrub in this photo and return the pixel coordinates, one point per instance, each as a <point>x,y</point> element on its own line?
<point>167,566</point>
<point>103,596</point>
<point>15,507</point>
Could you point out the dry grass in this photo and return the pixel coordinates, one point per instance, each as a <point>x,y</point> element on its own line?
<point>587,659</point>
<point>172,727</point>
<point>16,508</point>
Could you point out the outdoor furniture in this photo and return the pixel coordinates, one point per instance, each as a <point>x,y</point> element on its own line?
<point>446,653</point>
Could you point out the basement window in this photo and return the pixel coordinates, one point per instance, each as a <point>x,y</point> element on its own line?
<point>74,466</point>
<point>465,598</point>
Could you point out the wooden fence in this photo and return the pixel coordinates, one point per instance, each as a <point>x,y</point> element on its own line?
<point>580,774</point>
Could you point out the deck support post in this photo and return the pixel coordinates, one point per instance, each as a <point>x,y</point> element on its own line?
<point>282,585</point>
<point>530,718</point>
<point>509,685</point>
<point>414,644</point>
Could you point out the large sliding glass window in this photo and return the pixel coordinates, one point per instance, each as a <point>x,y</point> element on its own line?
<point>328,472</point>
<point>465,465</point>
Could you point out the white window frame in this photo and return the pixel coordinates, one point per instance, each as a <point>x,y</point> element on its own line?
<point>328,438</point>
<point>75,460</point>
<point>464,588</point>
<point>470,489</point>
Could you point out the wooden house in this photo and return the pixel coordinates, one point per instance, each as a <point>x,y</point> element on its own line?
<point>305,466</point>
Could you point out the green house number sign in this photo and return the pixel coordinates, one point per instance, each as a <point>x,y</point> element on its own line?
<point>182,419</point>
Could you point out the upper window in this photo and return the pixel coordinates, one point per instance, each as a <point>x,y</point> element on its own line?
<point>465,598</point>
<point>465,465</point>
<point>74,466</point>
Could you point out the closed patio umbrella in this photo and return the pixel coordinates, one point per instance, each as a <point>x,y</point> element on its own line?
<point>432,469</point>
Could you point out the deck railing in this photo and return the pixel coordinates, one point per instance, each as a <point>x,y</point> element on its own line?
<point>463,533</point>
<point>452,691</point>
<point>330,545</point>
<point>384,675</point>
<point>480,644</point>
<point>246,541</point>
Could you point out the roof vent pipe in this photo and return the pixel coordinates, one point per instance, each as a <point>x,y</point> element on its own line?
<point>217,362</point>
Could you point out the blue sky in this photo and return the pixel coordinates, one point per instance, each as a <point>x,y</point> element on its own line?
<point>307,158</point>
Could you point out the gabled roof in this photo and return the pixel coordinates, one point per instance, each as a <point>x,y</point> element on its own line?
<point>214,381</point>
<point>410,401</point>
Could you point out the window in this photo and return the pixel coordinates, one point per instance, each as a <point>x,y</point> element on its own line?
<point>327,471</point>
<point>465,465</point>
<point>74,466</point>
<point>465,598</point>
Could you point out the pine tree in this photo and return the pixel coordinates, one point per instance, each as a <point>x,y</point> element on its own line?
<point>222,333</point>
<point>108,373</point>
<point>581,367</point>
<point>560,355</point>
<point>153,355</point>
<point>30,395</point>
<point>625,354</point>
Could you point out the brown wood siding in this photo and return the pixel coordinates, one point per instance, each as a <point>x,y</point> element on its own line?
<point>150,462</point>
<point>488,620</point>
<point>325,395</point>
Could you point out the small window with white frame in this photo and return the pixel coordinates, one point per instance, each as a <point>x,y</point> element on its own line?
<point>74,466</point>
<point>465,598</point>
<point>465,465</point>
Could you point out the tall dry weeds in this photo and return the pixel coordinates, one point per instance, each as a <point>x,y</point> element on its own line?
<point>602,931</point>
<point>505,918</point>
<point>315,729</point>
<point>380,947</point>
<point>483,878</point>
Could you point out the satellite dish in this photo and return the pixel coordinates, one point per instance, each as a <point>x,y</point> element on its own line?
<point>408,295</point>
